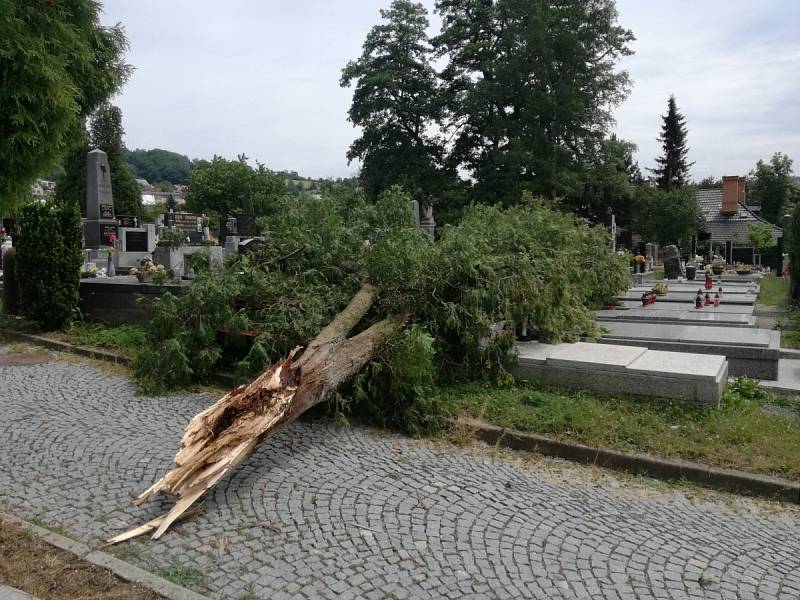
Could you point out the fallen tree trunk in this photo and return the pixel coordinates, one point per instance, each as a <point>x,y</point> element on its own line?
<point>224,434</point>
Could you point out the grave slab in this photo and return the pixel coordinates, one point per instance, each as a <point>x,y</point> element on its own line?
<point>750,352</point>
<point>581,354</point>
<point>682,365</point>
<point>691,288</point>
<point>608,368</point>
<point>678,316</point>
<point>689,297</point>
<point>743,309</point>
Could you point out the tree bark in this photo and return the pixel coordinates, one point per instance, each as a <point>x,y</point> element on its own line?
<point>223,435</point>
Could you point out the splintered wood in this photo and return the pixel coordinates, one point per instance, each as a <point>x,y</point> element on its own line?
<point>223,435</point>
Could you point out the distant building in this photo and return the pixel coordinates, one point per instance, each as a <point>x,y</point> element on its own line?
<point>727,219</point>
<point>41,189</point>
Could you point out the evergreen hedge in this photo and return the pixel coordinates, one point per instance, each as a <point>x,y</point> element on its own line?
<point>48,262</point>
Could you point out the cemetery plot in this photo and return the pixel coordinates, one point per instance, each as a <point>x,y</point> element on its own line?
<point>680,314</point>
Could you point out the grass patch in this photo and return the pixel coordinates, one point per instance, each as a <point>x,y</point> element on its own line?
<point>658,273</point>
<point>790,339</point>
<point>738,435</point>
<point>187,577</point>
<point>774,291</point>
<point>122,338</point>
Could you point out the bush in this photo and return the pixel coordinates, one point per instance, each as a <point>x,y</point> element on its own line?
<point>49,262</point>
<point>497,267</point>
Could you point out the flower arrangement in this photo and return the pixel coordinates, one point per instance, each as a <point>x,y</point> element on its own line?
<point>743,269</point>
<point>91,271</point>
<point>149,271</point>
<point>660,289</point>
<point>639,259</point>
<point>2,234</point>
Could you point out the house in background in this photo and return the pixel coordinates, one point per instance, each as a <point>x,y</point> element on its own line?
<point>727,221</point>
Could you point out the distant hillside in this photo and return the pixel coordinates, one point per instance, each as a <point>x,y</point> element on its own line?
<point>158,165</point>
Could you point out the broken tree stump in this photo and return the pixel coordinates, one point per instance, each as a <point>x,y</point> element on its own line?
<point>226,433</point>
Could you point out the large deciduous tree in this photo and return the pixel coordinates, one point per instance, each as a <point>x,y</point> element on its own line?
<point>57,64</point>
<point>672,170</point>
<point>396,103</point>
<point>609,185</point>
<point>530,87</point>
<point>771,186</point>
<point>667,217</point>
<point>226,187</point>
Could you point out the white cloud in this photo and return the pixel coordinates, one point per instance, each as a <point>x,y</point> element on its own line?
<point>263,78</point>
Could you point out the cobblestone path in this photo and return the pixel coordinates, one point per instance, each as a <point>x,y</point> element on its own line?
<point>323,512</point>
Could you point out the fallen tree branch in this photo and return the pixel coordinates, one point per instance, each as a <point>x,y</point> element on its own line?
<point>223,435</point>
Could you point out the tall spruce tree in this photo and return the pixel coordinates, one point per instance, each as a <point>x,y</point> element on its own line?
<point>673,167</point>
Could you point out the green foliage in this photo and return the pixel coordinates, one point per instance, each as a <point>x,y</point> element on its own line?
<point>523,100</point>
<point>760,236</point>
<point>124,338</point>
<point>667,217</point>
<point>49,260</point>
<point>158,166</point>
<point>774,291</point>
<point>609,185</point>
<point>227,187</point>
<point>771,186</point>
<point>531,86</point>
<point>395,390</point>
<point>673,167</point>
<point>171,237</point>
<point>395,101</point>
<point>497,266</point>
<point>106,134</point>
<point>794,256</point>
<point>57,64</point>
<point>739,435</point>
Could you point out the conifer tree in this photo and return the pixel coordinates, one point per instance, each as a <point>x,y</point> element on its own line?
<point>673,168</point>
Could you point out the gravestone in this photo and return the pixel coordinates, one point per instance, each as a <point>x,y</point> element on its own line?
<point>426,222</point>
<point>190,224</point>
<point>100,221</point>
<point>672,262</point>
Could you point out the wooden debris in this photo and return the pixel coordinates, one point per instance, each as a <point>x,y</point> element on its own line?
<point>222,436</point>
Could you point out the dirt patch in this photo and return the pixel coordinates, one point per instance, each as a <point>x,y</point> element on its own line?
<point>52,574</point>
<point>23,359</point>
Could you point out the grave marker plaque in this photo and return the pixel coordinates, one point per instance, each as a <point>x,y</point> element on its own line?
<point>125,221</point>
<point>136,241</point>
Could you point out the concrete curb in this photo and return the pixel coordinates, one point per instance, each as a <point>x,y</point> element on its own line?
<point>223,379</point>
<point>65,347</point>
<point>642,464</point>
<point>120,568</point>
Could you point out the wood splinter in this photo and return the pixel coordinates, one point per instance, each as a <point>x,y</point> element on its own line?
<point>223,435</point>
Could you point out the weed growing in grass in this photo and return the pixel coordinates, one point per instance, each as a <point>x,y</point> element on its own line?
<point>187,577</point>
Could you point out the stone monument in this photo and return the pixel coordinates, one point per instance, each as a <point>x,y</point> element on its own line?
<point>100,220</point>
<point>672,262</point>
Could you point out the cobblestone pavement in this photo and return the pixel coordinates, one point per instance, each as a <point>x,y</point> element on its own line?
<point>323,512</point>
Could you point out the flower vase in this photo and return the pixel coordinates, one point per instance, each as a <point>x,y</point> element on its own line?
<point>110,271</point>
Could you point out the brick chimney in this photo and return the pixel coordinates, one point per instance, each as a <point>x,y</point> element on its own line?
<point>742,185</point>
<point>731,194</point>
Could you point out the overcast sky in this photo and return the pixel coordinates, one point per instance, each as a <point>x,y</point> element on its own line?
<point>262,77</point>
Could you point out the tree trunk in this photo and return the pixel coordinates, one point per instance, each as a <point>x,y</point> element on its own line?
<point>224,434</point>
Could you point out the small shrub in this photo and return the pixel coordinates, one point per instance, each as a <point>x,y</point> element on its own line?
<point>49,262</point>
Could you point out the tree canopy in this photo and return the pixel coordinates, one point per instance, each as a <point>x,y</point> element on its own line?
<point>224,187</point>
<point>159,165</point>
<point>106,133</point>
<point>523,100</point>
<point>57,64</point>
<point>771,185</point>
<point>667,217</point>
<point>396,103</point>
<point>672,170</point>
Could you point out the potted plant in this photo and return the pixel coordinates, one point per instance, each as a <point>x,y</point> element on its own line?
<point>640,262</point>
<point>743,269</point>
<point>717,267</point>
